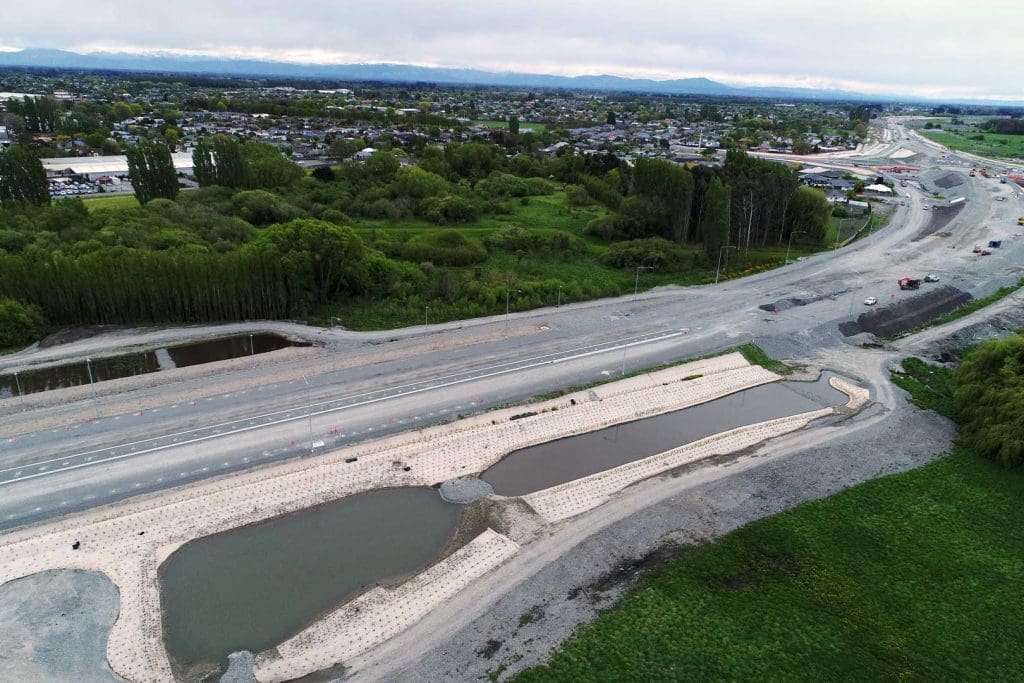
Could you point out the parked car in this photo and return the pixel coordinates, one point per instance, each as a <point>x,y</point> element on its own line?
<point>870,301</point>
<point>931,278</point>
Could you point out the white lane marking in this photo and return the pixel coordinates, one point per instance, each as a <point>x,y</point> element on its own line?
<point>496,373</point>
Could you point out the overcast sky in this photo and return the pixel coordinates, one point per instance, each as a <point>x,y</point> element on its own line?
<point>936,48</point>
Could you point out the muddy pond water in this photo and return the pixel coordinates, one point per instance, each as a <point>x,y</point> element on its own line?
<point>254,587</point>
<point>556,462</point>
<point>129,364</point>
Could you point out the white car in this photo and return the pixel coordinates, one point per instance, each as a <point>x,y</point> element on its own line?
<point>870,301</point>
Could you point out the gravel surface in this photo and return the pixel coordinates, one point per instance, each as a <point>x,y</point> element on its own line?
<point>465,490</point>
<point>54,625</point>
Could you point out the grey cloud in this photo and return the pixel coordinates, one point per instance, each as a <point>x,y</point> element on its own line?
<point>938,45</point>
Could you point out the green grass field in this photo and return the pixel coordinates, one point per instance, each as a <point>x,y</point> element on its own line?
<point>111,201</point>
<point>523,126</point>
<point>992,145</point>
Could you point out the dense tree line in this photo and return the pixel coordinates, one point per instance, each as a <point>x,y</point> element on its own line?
<point>22,177</point>
<point>1004,126</point>
<point>151,171</point>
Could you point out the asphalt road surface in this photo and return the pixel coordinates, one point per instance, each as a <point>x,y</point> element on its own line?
<point>299,407</point>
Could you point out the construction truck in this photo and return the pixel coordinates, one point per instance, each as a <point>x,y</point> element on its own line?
<point>908,283</point>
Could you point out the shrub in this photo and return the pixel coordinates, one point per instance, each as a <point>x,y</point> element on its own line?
<point>655,252</point>
<point>602,228</point>
<point>989,401</point>
<point>20,323</point>
<point>450,209</point>
<point>446,248</point>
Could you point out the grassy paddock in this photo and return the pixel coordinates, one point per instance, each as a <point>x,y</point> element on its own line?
<point>110,201</point>
<point>992,144</point>
<point>523,126</point>
<point>913,576</point>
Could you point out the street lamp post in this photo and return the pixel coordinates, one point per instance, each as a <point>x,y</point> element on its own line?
<point>252,351</point>
<point>426,319</point>
<point>636,285</point>
<point>309,411</point>
<point>92,385</point>
<point>17,383</point>
<point>790,243</point>
<point>558,301</point>
<point>508,299</point>
<point>718,270</point>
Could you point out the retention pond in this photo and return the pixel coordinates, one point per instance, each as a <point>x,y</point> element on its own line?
<point>129,364</point>
<point>556,462</point>
<point>254,587</point>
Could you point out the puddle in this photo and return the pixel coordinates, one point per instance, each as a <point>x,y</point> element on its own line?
<point>254,587</point>
<point>556,462</point>
<point>127,365</point>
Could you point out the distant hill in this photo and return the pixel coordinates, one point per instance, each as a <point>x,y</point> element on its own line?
<point>405,73</point>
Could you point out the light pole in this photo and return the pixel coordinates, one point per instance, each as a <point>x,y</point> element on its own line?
<point>252,351</point>
<point>17,383</point>
<point>790,243</point>
<point>92,385</point>
<point>558,302</point>
<point>636,285</point>
<point>622,373</point>
<point>309,411</point>
<point>508,299</point>
<point>333,319</point>
<point>718,270</point>
<point>426,319</point>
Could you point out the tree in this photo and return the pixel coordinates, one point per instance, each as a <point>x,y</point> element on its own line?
<point>266,167</point>
<point>22,177</point>
<point>989,399</point>
<point>151,171</point>
<point>20,323</point>
<point>715,226</point>
<point>609,118</point>
<point>809,212</point>
<point>320,259</point>
<point>668,188</point>
<point>513,125</point>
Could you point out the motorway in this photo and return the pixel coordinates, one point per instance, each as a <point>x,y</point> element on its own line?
<point>77,455</point>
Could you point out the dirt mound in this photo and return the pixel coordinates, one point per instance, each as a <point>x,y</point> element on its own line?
<point>940,218</point>
<point>907,314</point>
<point>951,179</point>
<point>790,302</point>
<point>72,334</point>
